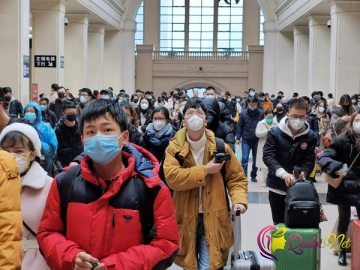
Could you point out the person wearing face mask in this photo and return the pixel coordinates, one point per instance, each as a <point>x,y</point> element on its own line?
<point>32,113</point>
<point>190,171</point>
<point>144,112</point>
<point>178,123</point>
<point>279,112</point>
<point>158,133</point>
<point>220,130</point>
<point>313,122</point>
<point>106,94</point>
<point>161,102</point>
<point>85,96</point>
<point>57,105</point>
<point>225,114</point>
<point>324,122</point>
<point>103,200</point>
<point>245,131</point>
<point>291,143</point>
<point>47,115</point>
<point>22,141</point>
<point>12,105</point>
<point>344,151</point>
<point>261,132</point>
<point>134,101</point>
<point>68,135</point>
<point>340,116</point>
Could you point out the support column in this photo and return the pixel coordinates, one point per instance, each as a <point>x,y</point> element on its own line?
<point>284,63</point>
<point>48,39</point>
<point>251,23</point>
<point>319,54</point>
<point>301,60</point>
<point>128,56</point>
<point>113,65</point>
<point>269,67</point>
<point>152,23</point>
<point>345,48</point>
<point>14,52</point>
<point>144,78</point>
<point>96,56</point>
<point>76,52</point>
<point>255,70</point>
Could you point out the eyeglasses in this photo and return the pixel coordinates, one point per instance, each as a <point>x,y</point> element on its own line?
<point>298,117</point>
<point>159,119</point>
<point>197,112</point>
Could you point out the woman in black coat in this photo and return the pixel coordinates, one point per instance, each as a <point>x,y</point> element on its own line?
<point>344,151</point>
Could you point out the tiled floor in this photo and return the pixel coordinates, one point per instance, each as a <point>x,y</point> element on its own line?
<point>259,215</point>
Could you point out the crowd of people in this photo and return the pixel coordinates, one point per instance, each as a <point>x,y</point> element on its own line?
<point>123,153</point>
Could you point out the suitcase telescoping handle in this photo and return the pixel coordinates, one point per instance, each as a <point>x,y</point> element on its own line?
<point>237,235</point>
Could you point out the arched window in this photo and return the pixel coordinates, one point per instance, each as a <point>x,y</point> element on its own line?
<point>139,35</point>
<point>262,20</point>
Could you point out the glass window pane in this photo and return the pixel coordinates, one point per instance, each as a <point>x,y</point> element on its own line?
<point>179,19</point>
<point>165,10</point>
<point>223,35</point>
<point>165,43</point>
<point>178,27</point>
<point>208,11</point>
<point>138,35</point>
<point>235,43</point>
<point>236,27</point>
<point>223,19</point>
<point>178,43</point>
<point>179,3</point>
<point>165,18</point>
<point>207,3</point>
<point>194,43</point>
<point>207,35</point>
<point>179,10</point>
<point>195,11</point>
<point>224,27</point>
<point>223,44</point>
<point>195,3</point>
<point>195,19</point>
<point>194,35</point>
<point>207,27</point>
<point>236,35</point>
<point>224,11</point>
<point>194,27</point>
<point>179,35</point>
<point>139,27</point>
<point>166,2</point>
<point>207,44</point>
<point>208,19</point>
<point>165,27</point>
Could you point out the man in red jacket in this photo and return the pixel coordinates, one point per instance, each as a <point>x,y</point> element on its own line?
<point>95,214</point>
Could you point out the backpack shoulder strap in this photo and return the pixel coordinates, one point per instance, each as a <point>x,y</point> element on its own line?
<point>65,182</point>
<point>220,148</point>
<point>145,199</point>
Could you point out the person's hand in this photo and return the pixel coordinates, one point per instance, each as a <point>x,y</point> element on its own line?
<point>317,149</point>
<point>288,178</point>
<point>101,266</point>
<point>237,142</point>
<point>345,118</point>
<point>302,176</point>
<point>72,164</point>
<point>240,207</point>
<point>212,167</point>
<point>82,259</point>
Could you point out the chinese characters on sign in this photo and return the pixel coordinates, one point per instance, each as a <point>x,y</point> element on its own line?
<point>45,61</point>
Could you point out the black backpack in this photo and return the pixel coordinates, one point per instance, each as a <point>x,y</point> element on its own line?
<point>302,206</point>
<point>145,201</point>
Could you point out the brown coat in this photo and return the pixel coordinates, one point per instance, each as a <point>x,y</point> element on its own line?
<point>185,180</point>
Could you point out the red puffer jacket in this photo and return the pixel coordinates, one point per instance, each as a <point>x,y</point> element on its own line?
<point>98,223</point>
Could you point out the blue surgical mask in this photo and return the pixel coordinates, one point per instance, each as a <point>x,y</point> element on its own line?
<point>238,100</point>
<point>30,116</point>
<point>252,94</point>
<point>105,97</point>
<point>83,99</point>
<point>43,108</point>
<point>102,149</point>
<point>269,121</point>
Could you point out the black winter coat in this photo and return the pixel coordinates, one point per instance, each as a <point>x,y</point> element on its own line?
<point>69,142</point>
<point>49,117</point>
<point>15,108</point>
<point>247,123</point>
<point>57,107</point>
<point>284,151</point>
<point>342,150</point>
<point>224,132</point>
<point>135,136</point>
<point>314,126</point>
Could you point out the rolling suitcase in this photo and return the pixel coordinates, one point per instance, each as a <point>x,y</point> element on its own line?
<point>355,245</point>
<point>301,248</point>
<point>246,259</point>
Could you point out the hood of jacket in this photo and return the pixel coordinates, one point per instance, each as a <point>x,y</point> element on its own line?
<point>138,162</point>
<point>38,111</point>
<point>283,125</point>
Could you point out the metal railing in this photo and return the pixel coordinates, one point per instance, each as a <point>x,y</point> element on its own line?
<point>198,55</point>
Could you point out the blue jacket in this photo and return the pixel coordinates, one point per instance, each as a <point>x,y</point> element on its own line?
<point>247,123</point>
<point>46,133</point>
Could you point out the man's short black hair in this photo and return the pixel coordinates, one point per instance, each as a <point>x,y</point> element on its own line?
<point>45,99</point>
<point>147,93</point>
<point>6,90</point>
<point>253,98</point>
<point>176,96</point>
<point>314,93</point>
<point>194,104</point>
<point>296,94</point>
<point>261,94</point>
<point>330,95</point>
<point>55,86</point>
<point>86,90</point>
<point>69,105</point>
<point>102,108</point>
<point>210,88</point>
<point>320,93</point>
<point>281,92</point>
<point>298,103</point>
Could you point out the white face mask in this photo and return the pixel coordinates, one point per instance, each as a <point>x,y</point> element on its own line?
<point>356,127</point>
<point>195,123</point>
<point>159,124</point>
<point>22,162</point>
<point>210,96</point>
<point>252,107</point>
<point>321,109</point>
<point>144,106</point>
<point>297,124</point>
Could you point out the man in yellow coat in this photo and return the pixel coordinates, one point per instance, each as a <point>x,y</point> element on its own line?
<point>201,209</point>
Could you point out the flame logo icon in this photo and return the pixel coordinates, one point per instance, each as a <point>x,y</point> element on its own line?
<point>264,241</point>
